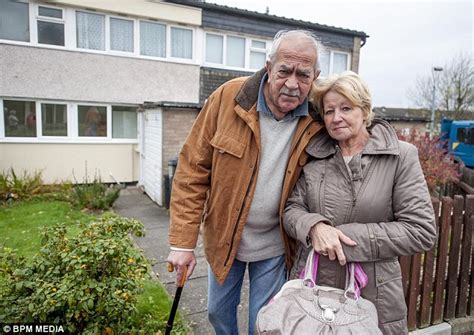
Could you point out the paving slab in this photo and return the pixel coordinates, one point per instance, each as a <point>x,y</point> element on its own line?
<point>133,203</point>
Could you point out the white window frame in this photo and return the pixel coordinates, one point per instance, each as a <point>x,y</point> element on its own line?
<point>39,120</point>
<point>254,49</point>
<point>139,38</point>
<point>168,43</point>
<point>248,49</point>
<point>72,124</point>
<point>3,137</point>
<point>31,16</point>
<point>331,60</point>
<point>38,17</point>
<point>108,35</point>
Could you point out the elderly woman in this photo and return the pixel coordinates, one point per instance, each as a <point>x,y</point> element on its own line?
<point>362,197</point>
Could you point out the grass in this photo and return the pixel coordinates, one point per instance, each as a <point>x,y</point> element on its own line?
<point>151,305</point>
<point>21,223</point>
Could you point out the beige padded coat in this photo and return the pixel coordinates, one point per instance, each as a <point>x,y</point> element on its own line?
<point>384,206</point>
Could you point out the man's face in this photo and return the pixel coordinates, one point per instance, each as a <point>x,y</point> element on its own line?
<point>290,77</point>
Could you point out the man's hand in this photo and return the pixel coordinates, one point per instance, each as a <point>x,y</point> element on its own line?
<point>326,240</point>
<point>181,260</point>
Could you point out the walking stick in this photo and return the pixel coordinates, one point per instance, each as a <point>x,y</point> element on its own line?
<point>177,296</point>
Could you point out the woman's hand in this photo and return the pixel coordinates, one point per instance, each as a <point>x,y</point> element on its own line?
<point>326,240</point>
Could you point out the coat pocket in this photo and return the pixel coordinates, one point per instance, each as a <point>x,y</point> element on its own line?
<point>226,144</point>
<point>390,301</point>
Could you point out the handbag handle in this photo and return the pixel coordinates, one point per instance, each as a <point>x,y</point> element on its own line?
<point>356,278</point>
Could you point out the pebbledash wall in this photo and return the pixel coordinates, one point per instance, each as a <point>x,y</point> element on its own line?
<point>35,74</point>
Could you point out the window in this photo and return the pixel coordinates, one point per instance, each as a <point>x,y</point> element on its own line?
<point>121,35</point>
<point>466,135</point>
<point>50,26</point>
<point>54,119</point>
<point>235,51</point>
<point>324,62</point>
<point>152,39</point>
<point>339,63</point>
<point>258,54</point>
<point>333,62</point>
<point>214,48</point>
<point>181,43</point>
<point>19,118</point>
<point>124,122</point>
<point>14,21</point>
<point>90,31</point>
<point>92,121</point>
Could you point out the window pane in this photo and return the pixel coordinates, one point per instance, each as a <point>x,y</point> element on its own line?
<point>181,43</point>
<point>339,62</point>
<point>19,118</point>
<point>50,12</point>
<point>258,44</point>
<point>124,122</point>
<point>14,21</point>
<point>324,63</point>
<point>257,60</point>
<point>92,121</point>
<point>235,51</point>
<point>152,39</point>
<point>90,31</point>
<point>50,33</point>
<point>121,35</point>
<point>54,119</point>
<point>214,48</point>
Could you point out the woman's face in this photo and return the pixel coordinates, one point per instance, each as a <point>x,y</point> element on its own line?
<point>343,121</point>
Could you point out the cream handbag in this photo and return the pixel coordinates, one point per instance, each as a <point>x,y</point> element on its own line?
<point>301,307</point>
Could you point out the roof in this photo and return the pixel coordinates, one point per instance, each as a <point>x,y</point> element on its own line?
<point>275,18</point>
<point>402,114</point>
<point>171,104</point>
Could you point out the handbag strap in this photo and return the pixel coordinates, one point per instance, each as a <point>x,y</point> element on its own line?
<point>356,278</point>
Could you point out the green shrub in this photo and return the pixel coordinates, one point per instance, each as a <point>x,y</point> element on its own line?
<point>95,195</point>
<point>30,185</point>
<point>23,186</point>
<point>88,284</point>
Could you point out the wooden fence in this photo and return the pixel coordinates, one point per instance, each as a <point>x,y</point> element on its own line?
<point>438,284</point>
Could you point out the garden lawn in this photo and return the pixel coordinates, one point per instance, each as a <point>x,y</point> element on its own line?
<point>22,223</point>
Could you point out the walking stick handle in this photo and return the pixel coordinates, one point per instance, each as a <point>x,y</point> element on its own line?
<point>183,279</point>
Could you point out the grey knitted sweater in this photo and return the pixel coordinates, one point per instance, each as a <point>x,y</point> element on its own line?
<point>261,238</point>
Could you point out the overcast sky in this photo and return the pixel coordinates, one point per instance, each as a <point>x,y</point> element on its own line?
<point>407,38</point>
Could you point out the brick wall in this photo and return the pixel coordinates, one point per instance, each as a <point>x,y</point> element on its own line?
<point>355,55</point>
<point>212,78</point>
<point>176,125</point>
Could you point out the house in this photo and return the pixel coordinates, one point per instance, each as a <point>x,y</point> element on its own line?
<point>405,118</point>
<point>111,88</point>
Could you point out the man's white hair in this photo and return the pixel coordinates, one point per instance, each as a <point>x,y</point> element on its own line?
<point>305,34</point>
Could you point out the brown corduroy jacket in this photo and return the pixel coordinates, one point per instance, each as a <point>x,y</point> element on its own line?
<point>217,170</point>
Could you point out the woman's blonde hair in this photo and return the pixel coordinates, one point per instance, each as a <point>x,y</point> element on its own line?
<point>351,86</point>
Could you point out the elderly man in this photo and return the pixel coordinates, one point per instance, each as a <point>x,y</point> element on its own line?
<point>236,169</point>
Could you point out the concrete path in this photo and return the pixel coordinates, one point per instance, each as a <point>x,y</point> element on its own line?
<point>134,203</point>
